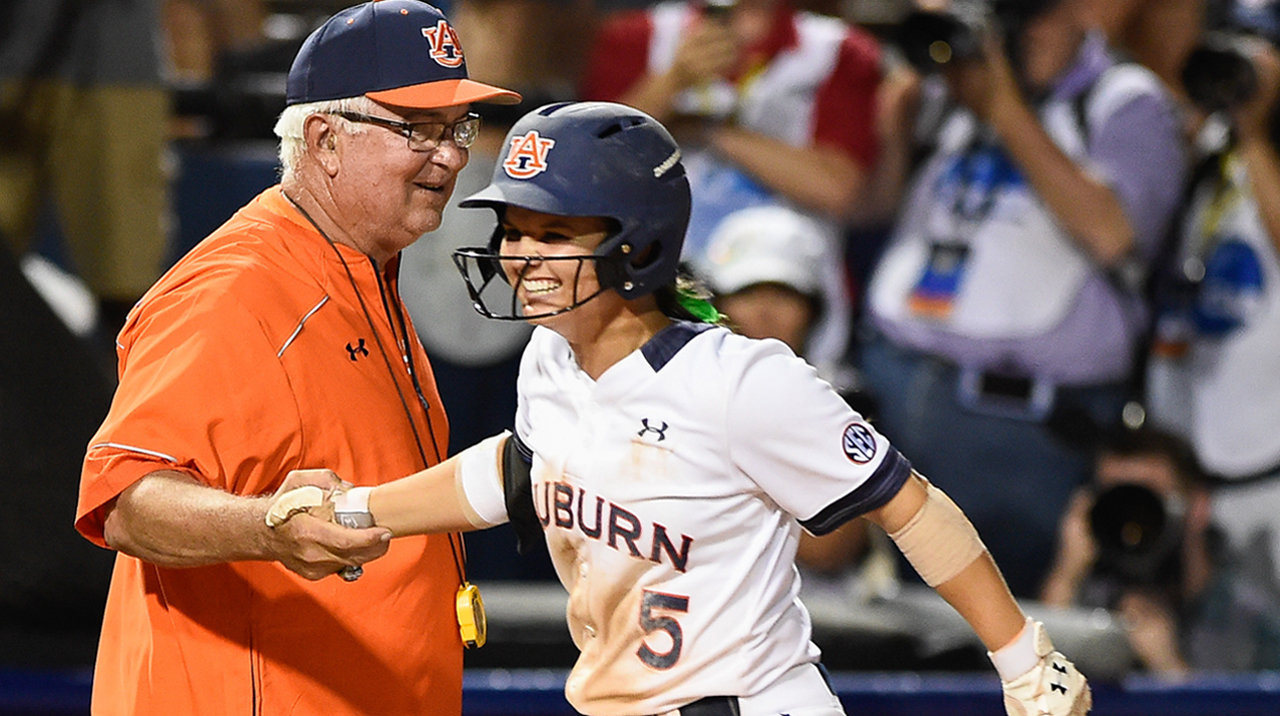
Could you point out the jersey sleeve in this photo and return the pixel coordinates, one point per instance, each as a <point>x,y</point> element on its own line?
<point>796,438</point>
<point>201,393</point>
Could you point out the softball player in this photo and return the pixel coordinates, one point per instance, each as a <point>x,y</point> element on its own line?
<point>671,463</point>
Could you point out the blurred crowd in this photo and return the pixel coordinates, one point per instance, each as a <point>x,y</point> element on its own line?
<point>1036,241</point>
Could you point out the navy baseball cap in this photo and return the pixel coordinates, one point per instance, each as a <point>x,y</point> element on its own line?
<point>397,52</point>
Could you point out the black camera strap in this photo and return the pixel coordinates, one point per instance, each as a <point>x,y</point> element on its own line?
<point>1167,276</point>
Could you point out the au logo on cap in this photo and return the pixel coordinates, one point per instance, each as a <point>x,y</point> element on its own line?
<point>445,48</point>
<point>527,156</point>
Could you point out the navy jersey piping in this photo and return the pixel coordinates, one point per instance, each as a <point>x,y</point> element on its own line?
<point>666,343</point>
<point>878,489</point>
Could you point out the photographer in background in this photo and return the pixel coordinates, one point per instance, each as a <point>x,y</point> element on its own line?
<point>1140,540</point>
<point>1214,375</point>
<point>770,104</point>
<point>1006,306</point>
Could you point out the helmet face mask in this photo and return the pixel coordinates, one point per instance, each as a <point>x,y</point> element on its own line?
<point>580,159</point>
<point>481,267</point>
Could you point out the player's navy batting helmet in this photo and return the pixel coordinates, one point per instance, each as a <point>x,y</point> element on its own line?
<point>594,159</point>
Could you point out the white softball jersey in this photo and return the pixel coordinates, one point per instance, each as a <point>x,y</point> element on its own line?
<point>672,492</point>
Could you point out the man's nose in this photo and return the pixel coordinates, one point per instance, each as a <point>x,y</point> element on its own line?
<point>451,155</point>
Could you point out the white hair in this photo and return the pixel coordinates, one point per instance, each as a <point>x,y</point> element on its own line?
<point>290,124</point>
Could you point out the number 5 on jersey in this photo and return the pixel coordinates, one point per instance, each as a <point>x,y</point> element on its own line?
<point>651,623</point>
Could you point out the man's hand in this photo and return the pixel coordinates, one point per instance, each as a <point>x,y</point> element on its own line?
<point>1079,550</point>
<point>708,51</point>
<point>305,538</point>
<point>897,105</point>
<point>1152,627</point>
<point>1053,687</point>
<point>987,83</point>
<point>309,491</point>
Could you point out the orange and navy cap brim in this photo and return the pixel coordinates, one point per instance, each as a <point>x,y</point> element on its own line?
<point>444,93</point>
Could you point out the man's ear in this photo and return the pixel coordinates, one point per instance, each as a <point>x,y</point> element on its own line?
<point>321,137</point>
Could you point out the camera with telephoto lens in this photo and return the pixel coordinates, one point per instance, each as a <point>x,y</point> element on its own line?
<point>1139,535</point>
<point>932,39</point>
<point>1218,74</point>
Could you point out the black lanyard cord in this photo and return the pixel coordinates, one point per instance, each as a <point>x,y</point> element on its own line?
<point>393,308</point>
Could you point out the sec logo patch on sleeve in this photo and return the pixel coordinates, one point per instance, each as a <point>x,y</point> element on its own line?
<point>858,443</point>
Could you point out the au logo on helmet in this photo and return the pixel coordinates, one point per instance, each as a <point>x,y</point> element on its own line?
<point>527,156</point>
<point>445,48</point>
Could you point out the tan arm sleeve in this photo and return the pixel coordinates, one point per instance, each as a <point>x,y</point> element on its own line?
<point>938,541</point>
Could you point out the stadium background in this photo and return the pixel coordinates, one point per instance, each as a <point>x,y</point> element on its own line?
<point>905,656</point>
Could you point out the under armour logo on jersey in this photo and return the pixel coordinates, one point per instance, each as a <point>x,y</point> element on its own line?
<point>527,156</point>
<point>445,48</point>
<point>661,432</point>
<point>858,443</point>
<point>1057,685</point>
<point>358,348</point>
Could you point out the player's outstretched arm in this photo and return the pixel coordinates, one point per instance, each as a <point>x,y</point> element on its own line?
<point>461,494</point>
<point>941,544</point>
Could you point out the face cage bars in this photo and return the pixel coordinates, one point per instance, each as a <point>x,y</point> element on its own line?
<point>480,265</point>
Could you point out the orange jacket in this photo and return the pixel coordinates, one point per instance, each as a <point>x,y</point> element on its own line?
<point>250,358</point>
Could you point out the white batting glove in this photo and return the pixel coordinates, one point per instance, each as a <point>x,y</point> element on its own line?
<point>288,504</point>
<point>1037,680</point>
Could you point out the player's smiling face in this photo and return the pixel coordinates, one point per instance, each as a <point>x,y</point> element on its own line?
<point>546,286</point>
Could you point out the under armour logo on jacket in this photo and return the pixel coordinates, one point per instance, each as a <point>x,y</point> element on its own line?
<point>357,349</point>
<point>661,432</point>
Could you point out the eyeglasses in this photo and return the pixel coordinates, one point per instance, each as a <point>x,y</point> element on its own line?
<point>424,136</point>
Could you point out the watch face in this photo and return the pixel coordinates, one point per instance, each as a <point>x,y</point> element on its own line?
<point>471,619</point>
